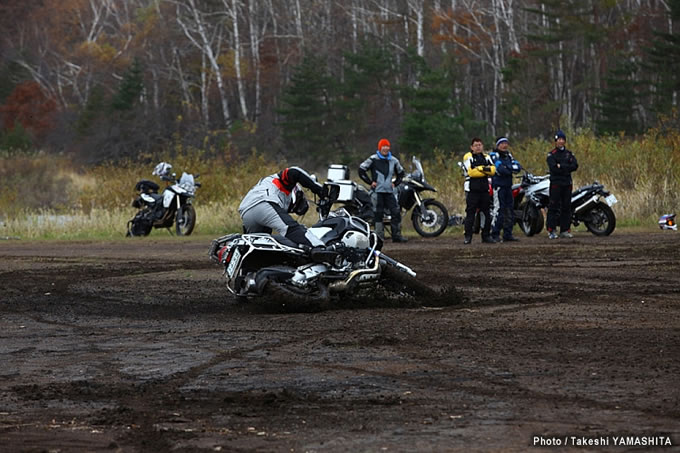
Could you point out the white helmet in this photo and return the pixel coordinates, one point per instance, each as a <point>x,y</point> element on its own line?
<point>162,169</point>
<point>667,222</point>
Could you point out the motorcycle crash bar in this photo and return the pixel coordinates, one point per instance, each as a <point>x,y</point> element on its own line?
<point>343,285</point>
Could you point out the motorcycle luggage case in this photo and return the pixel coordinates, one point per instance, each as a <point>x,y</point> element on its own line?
<point>346,190</point>
<point>337,172</point>
<point>146,186</point>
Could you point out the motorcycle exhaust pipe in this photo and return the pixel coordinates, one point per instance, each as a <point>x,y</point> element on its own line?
<point>344,285</point>
<point>588,204</point>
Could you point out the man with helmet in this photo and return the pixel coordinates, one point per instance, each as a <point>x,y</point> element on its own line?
<point>383,167</point>
<point>267,206</point>
<point>561,164</point>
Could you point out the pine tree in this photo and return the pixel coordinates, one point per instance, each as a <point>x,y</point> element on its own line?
<point>432,120</point>
<point>619,101</point>
<point>364,99</point>
<point>306,110</point>
<point>664,64</point>
<point>130,89</point>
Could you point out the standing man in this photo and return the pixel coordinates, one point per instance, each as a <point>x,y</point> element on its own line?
<point>383,167</point>
<point>478,168</point>
<point>503,213</point>
<point>561,163</point>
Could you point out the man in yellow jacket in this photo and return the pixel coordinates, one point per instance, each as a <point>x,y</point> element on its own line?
<point>478,169</point>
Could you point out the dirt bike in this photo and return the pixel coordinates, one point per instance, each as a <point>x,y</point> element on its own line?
<point>590,204</point>
<point>429,217</point>
<point>173,206</point>
<point>270,265</point>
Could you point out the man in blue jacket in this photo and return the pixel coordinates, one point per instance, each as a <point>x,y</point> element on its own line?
<point>503,213</point>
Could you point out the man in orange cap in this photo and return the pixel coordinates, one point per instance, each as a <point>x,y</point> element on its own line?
<point>383,167</point>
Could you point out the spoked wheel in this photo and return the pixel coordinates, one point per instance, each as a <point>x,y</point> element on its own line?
<point>601,220</point>
<point>186,220</point>
<point>531,222</point>
<point>431,219</point>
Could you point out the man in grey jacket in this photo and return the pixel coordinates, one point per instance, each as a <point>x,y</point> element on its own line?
<point>383,167</point>
<point>267,206</point>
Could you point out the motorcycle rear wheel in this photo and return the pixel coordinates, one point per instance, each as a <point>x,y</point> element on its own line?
<point>531,222</point>
<point>600,220</point>
<point>185,220</point>
<point>435,222</point>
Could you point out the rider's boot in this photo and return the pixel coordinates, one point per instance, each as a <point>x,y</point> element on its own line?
<point>380,230</point>
<point>396,233</point>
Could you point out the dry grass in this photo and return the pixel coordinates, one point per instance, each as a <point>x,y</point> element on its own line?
<point>46,196</point>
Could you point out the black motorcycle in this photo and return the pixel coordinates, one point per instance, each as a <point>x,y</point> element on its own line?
<point>173,206</point>
<point>266,265</point>
<point>590,205</point>
<point>429,217</point>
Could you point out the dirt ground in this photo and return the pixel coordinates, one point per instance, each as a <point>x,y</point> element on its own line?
<point>137,346</point>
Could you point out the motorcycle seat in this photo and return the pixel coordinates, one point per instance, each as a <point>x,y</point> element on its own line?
<point>285,241</point>
<point>582,189</point>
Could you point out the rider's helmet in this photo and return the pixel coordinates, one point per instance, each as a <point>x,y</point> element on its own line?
<point>667,222</point>
<point>298,202</point>
<point>162,169</point>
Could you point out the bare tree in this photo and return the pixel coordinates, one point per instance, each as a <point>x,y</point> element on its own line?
<point>207,37</point>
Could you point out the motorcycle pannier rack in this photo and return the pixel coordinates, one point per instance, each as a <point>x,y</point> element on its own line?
<point>338,172</point>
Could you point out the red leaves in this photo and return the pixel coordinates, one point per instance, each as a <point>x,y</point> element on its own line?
<point>28,106</point>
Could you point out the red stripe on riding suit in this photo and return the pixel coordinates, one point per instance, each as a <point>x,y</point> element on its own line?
<point>277,182</point>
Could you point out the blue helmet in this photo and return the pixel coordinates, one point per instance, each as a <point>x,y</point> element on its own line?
<point>560,134</point>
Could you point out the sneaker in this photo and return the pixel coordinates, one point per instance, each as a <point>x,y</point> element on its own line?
<point>467,240</point>
<point>510,239</point>
<point>566,235</point>
<point>489,240</point>
<point>552,235</point>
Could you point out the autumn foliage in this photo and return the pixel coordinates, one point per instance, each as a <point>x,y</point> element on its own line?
<point>28,106</point>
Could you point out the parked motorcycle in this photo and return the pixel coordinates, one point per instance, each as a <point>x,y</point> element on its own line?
<point>590,204</point>
<point>261,264</point>
<point>174,205</point>
<point>429,217</point>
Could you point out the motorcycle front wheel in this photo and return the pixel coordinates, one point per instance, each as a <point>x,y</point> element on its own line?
<point>185,220</point>
<point>600,220</point>
<point>531,222</point>
<point>430,219</point>
<point>407,284</point>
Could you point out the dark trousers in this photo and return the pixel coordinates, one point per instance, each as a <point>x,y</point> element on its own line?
<point>559,207</point>
<point>386,200</point>
<point>475,201</point>
<point>505,218</point>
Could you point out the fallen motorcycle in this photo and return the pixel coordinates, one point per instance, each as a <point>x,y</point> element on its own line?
<point>429,216</point>
<point>590,204</point>
<point>173,206</point>
<point>270,265</point>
